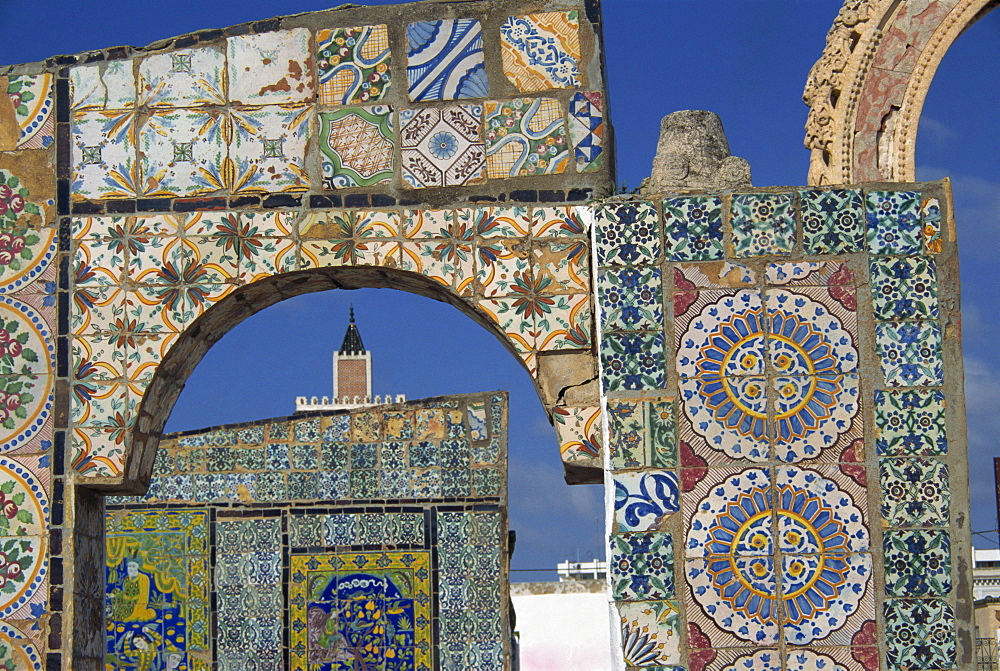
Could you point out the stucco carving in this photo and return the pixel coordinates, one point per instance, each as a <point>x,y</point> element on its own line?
<point>866,91</point>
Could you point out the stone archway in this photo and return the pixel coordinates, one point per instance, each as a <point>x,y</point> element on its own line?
<point>867,90</point>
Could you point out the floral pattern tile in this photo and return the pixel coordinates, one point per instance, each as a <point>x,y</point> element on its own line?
<point>445,60</point>
<point>503,269</point>
<point>644,499</point>
<point>561,267</point>
<point>917,562</point>
<point>357,146</point>
<point>893,222</point>
<point>633,361</point>
<point>558,222</point>
<point>579,431</point>
<point>103,155</point>
<point>628,234</point>
<point>630,298</point>
<point>108,86</point>
<point>642,566</point>
<point>442,146</point>
<point>525,137</point>
<point>833,221</point>
<point>562,322</point>
<point>182,153</point>
<point>915,492</point>
<point>650,634</point>
<point>910,353</point>
<point>920,634</point>
<point>270,68</point>
<point>910,423</point>
<point>586,129</point>
<point>541,51</point>
<point>31,96</point>
<point>692,228</point>
<point>354,64</point>
<point>762,224</point>
<point>904,288</point>
<point>268,149</point>
<point>183,78</point>
<point>643,433</point>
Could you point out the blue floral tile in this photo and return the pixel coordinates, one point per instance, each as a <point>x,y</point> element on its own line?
<point>893,222</point>
<point>630,298</point>
<point>915,492</point>
<point>917,562</point>
<point>541,51</point>
<point>910,423</point>
<point>628,234</point>
<point>642,566</point>
<point>904,288</point>
<point>650,634</point>
<point>833,221</point>
<point>919,634</point>
<point>762,223</point>
<point>930,229</point>
<point>910,353</point>
<point>645,499</point>
<point>633,361</point>
<point>692,228</point>
<point>445,60</point>
<point>643,433</point>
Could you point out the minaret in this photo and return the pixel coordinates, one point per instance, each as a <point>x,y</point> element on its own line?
<point>352,367</point>
<point>352,378</point>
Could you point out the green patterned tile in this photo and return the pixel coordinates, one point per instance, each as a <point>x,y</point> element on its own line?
<point>833,221</point>
<point>762,223</point>
<point>904,288</point>
<point>917,562</point>
<point>915,492</point>
<point>910,423</point>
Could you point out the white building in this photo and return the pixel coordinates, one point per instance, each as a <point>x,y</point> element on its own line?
<point>352,378</point>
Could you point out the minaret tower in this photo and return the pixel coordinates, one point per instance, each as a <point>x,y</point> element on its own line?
<point>352,378</point>
<point>352,368</point>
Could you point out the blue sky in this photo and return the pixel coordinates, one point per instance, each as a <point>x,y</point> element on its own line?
<point>747,61</point>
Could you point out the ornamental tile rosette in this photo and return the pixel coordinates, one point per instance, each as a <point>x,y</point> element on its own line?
<point>787,561</point>
<point>25,249</point>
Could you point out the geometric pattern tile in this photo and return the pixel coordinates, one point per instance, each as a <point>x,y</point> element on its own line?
<point>268,148</point>
<point>762,223</point>
<point>442,147</point>
<point>445,60</point>
<point>525,137</point>
<point>904,288</point>
<point>183,78</point>
<point>642,566</point>
<point>910,353</point>
<point>357,145</point>
<point>915,492</point>
<point>586,128</point>
<point>354,65</point>
<point>910,423</point>
<point>541,51</point>
<point>692,228</point>
<point>833,221</point>
<point>893,222</point>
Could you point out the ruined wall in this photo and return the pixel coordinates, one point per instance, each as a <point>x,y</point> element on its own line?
<point>781,372</point>
<point>374,537</point>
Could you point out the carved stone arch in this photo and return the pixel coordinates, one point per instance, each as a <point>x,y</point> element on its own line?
<point>867,90</point>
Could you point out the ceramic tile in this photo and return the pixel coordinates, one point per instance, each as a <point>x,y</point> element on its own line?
<point>357,146</point>
<point>267,68</point>
<point>893,222</point>
<point>643,433</point>
<point>445,60</point>
<point>103,155</point>
<point>183,78</point>
<point>917,563</point>
<point>814,414</point>
<point>633,361</point>
<point>495,222</point>
<point>31,97</point>
<point>516,319</point>
<point>628,234</point>
<point>525,137</point>
<point>579,431</point>
<point>630,298</point>
<point>586,130</point>
<point>422,224</point>
<point>811,274</point>
<point>442,146</point>
<point>182,153</point>
<point>692,228</point>
<point>812,331</point>
<point>642,566</point>
<point>103,86</point>
<point>449,262</point>
<point>930,230</point>
<point>920,634</point>
<point>564,221</point>
<point>833,221</point>
<point>910,422</point>
<point>915,492</point>
<point>762,224</point>
<point>565,322</point>
<point>904,288</point>
<point>561,267</point>
<point>712,275</point>
<point>644,499</point>
<point>541,51</point>
<point>503,269</point>
<point>650,633</point>
<point>718,598</point>
<point>727,415</point>
<point>268,147</point>
<point>721,333</point>
<point>910,353</point>
<point>354,65</point>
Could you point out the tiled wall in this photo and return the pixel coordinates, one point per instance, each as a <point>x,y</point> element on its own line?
<point>782,383</point>
<point>374,537</point>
